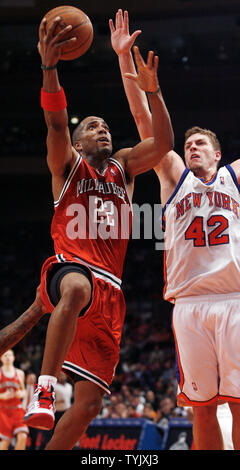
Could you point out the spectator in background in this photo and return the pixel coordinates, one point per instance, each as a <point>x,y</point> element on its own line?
<point>132,413</point>
<point>168,371</point>
<point>167,406</point>
<point>30,381</point>
<point>151,399</point>
<point>165,411</point>
<point>121,410</point>
<point>64,395</point>
<point>149,412</point>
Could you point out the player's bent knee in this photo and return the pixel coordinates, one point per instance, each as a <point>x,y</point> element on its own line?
<point>95,409</point>
<point>90,409</point>
<point>75,296</point>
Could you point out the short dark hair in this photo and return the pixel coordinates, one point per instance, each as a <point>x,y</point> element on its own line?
<point>77,133</point>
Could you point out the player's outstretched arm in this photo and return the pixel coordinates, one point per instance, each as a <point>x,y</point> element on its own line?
<point>148,153</point>
<point>122,43</point>
<point>15,331</point>
<point>53,100</point>
<point>170,167</point>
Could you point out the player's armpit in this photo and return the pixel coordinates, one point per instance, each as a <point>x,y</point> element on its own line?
<point>171,166</point>
<point>236,167</point>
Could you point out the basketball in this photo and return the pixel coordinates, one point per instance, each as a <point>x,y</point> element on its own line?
<point>82,29</point>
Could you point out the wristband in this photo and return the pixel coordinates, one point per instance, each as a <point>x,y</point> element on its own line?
<point>51,67</point>
<point>153,92</point>
<point>53,101</point>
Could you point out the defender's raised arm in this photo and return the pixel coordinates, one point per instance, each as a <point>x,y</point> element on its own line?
<point>149,153</point>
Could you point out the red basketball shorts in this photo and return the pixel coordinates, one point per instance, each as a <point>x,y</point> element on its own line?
<point>94,353</point>
<point>11,422</point>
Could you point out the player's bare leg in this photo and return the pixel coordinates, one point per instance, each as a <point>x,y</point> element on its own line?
<point>76,293</point>
<point>4,444</point>
<point>235,410</point>
<point>206,430</point>
<point>21,441</point>
<point>87,405</point>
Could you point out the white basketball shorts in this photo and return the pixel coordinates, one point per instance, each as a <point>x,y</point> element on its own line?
<point>207,339</point>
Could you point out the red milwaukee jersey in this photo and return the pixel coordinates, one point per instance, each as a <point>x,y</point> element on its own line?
<point>10,383</point>
<point>93,217</point>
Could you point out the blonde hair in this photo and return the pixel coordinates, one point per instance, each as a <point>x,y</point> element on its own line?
<point>199,130</point>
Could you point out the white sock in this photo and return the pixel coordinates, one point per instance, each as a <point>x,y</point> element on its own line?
<point>47,380</point>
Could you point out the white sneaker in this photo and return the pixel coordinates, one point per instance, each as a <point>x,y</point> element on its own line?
<point>41,409</point>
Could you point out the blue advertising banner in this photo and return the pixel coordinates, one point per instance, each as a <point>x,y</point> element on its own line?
<point>122,434</point>
<point>136,434</point>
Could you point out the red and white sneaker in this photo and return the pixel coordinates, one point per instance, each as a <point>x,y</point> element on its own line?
<point>41,409</point>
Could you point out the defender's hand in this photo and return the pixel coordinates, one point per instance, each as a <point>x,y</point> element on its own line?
<point>146,77</point>
<point>121,40</point>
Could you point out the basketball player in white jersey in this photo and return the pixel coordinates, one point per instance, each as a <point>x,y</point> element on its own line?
<point>202,260</point>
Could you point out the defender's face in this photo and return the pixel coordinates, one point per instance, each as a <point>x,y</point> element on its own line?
<point>200,154</point>
<point>95,137</point>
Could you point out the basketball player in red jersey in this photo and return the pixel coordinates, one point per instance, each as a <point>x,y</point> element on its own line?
<point>206,313</point>
<point>12,391</point>
<point>81,284</point>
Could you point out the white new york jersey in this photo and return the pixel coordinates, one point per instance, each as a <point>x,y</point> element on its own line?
<point>202,236</point>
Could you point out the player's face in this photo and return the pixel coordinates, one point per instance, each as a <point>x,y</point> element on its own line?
<point>7,358</point>
<point>96,139</point>
<point>200,156</point>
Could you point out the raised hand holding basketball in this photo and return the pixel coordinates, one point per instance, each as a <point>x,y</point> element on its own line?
<point>146,77</point>
<point>73,41</point>
<point>50,44</point>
